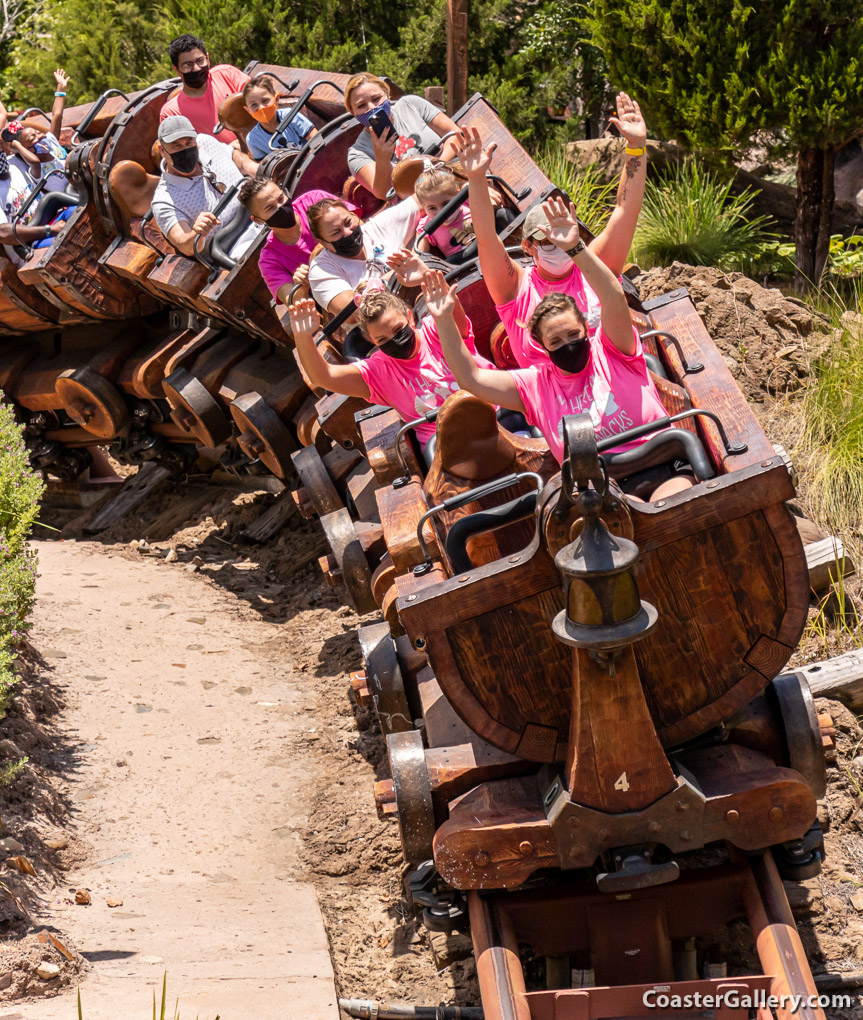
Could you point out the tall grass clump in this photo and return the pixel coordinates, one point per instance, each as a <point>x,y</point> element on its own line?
<point>592,196</point>
<point>20,490</point>
<point>832,438</point>
<point>691,216</point>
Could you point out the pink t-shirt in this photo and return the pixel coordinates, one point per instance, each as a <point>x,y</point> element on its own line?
<point>516,314</point>
<point>203,111</point>
<point>418,384</point>
<point>279,261</point>
<point>453,236</point>
<point>614,388</point>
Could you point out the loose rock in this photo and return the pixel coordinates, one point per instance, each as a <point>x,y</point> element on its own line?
<point>47,970</point>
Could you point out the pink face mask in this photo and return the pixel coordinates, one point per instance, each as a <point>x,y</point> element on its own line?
<point>552,260</point>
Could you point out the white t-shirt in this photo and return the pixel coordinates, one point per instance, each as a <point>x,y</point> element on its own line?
<point>385,233</point>
<point>182,198</point>
<point>13,191</point>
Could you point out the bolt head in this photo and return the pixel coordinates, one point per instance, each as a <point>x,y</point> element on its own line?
<point>481,859</point>
<point>525,848</point>
<point>732,816</point>
<point>775,814</point>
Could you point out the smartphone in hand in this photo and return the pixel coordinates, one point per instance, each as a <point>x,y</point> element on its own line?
<point>381,124</point>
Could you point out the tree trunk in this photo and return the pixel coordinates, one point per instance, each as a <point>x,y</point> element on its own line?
<point>807,218</point>
<point>456,54</point>
<point>828,197</point>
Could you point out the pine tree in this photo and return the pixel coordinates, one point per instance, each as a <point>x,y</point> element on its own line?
<point>713,73</point>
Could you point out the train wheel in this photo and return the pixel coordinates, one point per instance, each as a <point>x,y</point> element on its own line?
<point>93,402</point>
<point>195,409</point>
<point>413,795</point>
<point>350,558</point>
<point>263,434</point>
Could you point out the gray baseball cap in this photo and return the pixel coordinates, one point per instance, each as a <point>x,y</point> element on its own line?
<point>535,219</point>
<point>172,129</point>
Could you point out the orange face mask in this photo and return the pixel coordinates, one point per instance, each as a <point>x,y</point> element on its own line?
<point>265,113</point>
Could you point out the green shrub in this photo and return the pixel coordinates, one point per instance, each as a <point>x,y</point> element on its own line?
<point>20,490</point>
<point>592,196</point>
<point>832,437</point>
<point>691,216</point>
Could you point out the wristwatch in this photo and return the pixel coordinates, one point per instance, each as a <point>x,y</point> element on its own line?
<point>576,249</point>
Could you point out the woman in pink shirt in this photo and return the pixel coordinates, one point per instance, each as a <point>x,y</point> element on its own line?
<point>604,375</point>
<point>407,371</point>
<point>516,289</point>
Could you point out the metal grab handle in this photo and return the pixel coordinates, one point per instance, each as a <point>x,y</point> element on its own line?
<point>516,196</point>
<point>295,109</point>
<point>434,149</point>
<point>627,462</point>
<point>444,214</point>
<point>33,109</point>
<point>289,86</point>
<point>336,321</point>
<point>221,205</point>
<point>454,502</point>
<point>426,419</point>
<point>96,107</point>
<point>688,366</point>
<point>731,449</point>
<point>482,521</point>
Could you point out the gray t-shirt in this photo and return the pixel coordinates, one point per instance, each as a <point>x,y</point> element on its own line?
<point>183,198</point>
<point>411,116</point>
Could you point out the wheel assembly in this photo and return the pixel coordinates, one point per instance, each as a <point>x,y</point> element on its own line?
<point>93,403</point>
<point>263,435</point>
<point>195,410</point>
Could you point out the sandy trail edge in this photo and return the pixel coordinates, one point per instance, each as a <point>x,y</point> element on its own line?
<point>183,707</point>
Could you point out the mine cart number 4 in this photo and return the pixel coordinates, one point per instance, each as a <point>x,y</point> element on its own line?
<point>621,783</point>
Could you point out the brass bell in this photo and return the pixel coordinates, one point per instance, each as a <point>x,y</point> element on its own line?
<point>603,610</point>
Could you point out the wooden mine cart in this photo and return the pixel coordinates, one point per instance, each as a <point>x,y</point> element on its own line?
<point>608,764</point>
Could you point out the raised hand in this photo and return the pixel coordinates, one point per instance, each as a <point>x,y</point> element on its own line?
<point>562,229</point>
<point>62,79</point>
<point>409,268</point>
<point>629,121</point>
<point>474,159</point>
<point>305,317</point>
<point>439,295</point>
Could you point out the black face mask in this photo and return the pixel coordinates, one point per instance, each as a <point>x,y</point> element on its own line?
<point>350,245</point>
<point>571,357</point>
<point>283,218</point>
<point>185,160</point>
<point>402,345</point>
<point>196,79</point>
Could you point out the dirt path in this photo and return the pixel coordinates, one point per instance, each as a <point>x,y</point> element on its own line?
<point>185,715</point>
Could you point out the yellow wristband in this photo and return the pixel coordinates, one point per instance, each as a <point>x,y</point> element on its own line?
<point>635,152</point>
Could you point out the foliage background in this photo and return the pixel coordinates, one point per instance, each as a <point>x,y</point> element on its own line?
<point>524,54</point>
<point>20,490</point>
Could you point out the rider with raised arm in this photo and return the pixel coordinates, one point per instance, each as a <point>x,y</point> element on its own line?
<point>603,374</point>
<point>516,291</point>
<point>407,371</point>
